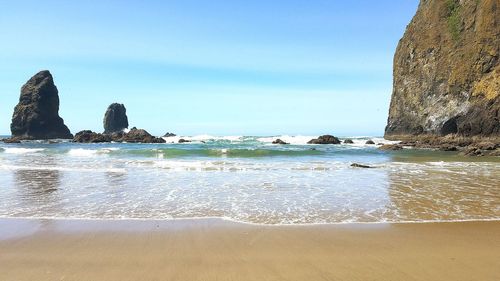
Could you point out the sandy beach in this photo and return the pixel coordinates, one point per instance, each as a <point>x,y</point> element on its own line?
<point>213,249</point>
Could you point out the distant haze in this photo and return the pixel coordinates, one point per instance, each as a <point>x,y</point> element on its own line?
<point>209,67</point>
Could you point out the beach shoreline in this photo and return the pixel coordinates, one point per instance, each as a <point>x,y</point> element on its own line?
<point>216,249</point>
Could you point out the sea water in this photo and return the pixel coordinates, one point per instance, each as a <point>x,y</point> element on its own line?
<point>245,179</point>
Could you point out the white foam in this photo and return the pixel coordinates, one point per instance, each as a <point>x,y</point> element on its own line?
<point>81,152</point>
<point>58,168</point>
<point>20,150</point>
<point>297,140</point>
<point>203,138</point>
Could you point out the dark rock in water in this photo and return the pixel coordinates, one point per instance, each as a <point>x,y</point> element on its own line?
<point>12,140</point>
<point>115,118</point>
<point>446,147</point>
<point>325,139</point>
<point>279,141</point>
<point>183,141</point>
<point>447,71</point>
<point>356,165</point>
<point>117,136</point>
<point>139,136</point>
<point>369,142</point>
<point>167,135</point>
<point>390,147</point>
<point>348,141</point>
<point>472,151</point>
<point>88,136</point>
<point>36,116</point>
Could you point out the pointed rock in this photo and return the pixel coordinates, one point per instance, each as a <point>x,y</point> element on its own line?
<point>115,118</point>
<point>36,116</point>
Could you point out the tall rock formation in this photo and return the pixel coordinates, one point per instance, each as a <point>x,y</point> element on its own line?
<point>36,116</point>
<point>446,71</point>
<point>115,118</point>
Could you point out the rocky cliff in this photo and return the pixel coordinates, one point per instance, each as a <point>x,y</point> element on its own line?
<point>446,71</point>
<point>36,116</point>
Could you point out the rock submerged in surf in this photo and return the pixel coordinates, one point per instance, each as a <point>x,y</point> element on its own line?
<point>356,165</point>
<point>369,142</point>
<point>183,141</point>
<point>391,147</point>
<point>348,141</point>
<point>325,139</point>
<point>279,141</point>
<point>36,116</point>
<point>115,118</point>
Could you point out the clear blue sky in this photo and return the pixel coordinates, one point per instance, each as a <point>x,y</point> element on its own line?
<point>222,67</point>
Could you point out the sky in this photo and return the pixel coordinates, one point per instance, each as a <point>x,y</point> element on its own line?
<point>220,67</point>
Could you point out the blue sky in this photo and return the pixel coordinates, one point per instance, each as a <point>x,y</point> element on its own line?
<point>217,67</point>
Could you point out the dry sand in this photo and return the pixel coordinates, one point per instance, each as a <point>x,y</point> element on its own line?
<point>213,249</point>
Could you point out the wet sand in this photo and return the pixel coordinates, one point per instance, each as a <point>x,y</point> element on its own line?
<point>212,249</point>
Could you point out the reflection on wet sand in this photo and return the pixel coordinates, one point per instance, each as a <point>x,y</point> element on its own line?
<point>444,193</point>
<point>39,188</point>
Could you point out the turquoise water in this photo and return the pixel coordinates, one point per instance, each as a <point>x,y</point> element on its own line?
<point>245,179</point>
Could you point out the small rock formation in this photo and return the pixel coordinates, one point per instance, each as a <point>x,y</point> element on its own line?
<point>446,147</point>
<point>472,151</point>
<point>369,142</point>
<point>447,71</point>
<point>133,136</point>
<point>348,141</point>
<point>168,135</point>
<point>88,136</point>
<point>356,165</point>
<point>391,147</point>
<point>115,118</point>
<point>279,141</point>
<point>325,139</point>
<point>139,135</point>
<point>36,116</point>
<point>12,140</point>
<point>183,141</point>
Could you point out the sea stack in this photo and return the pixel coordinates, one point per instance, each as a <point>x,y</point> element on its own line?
<point>446,72</point>
<point>115,118</point>
<point>36,116</point>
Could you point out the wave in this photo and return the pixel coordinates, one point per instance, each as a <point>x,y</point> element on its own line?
<point>219,152</point>
<point>21,150</point>
<point>81,152</point>
<point>205,138</point>
<point>59,168</point>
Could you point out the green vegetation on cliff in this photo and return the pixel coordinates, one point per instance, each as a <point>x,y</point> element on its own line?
<point>453,18</point>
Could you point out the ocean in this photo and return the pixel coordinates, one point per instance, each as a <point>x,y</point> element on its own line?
<point>246,179</point>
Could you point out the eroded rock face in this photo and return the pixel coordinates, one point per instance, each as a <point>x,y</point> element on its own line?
<point>325,139</point>
<point>36,116</point>
<point>446,71</point>
<point>115,118</point>
<point>88,136</point>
